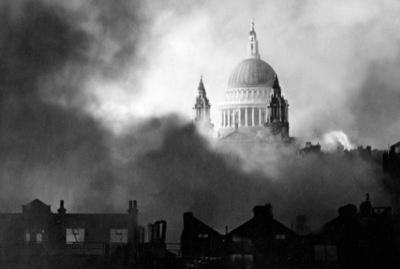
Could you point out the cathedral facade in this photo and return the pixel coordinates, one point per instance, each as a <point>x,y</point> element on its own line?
<point>254,108</point>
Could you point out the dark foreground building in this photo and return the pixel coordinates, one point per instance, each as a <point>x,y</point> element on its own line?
<point>391,161</point>
<point>261,242</point>
<point>368,237</point>
<point>39,238</point>
<point>364,238</point>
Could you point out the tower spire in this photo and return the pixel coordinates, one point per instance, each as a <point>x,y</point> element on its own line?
<point>201,108</point>
<point>252,47</point>
<point>201,89</point>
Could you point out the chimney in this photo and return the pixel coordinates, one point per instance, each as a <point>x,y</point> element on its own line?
<point>262,235</point>
<point>156,233</point>
<point>368,148</point>
<point>187,218</point>
<point>262,212</point>
<point>133,207</point>
<point>61,210</point>
<point>163,231</point>
<point>150,232</point>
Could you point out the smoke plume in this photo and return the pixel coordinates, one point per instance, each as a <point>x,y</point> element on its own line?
<point>95,97</point>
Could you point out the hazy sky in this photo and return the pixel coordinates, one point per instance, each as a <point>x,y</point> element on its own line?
<point>337,62</point>
<point>96,97</point>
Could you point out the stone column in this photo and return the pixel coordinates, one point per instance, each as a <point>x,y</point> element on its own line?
<point>252,116</point>
<point>287,113</point>
<point>223,118</point>
<point>229,117</point>
<point>240,117</point>
<point>259,116</point>
<point>267,114</point>
<point>245,116</point>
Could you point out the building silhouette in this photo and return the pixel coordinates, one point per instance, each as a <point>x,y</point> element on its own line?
<point>39,238</point>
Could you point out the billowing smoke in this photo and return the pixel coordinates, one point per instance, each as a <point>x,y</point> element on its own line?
<point>337,61</point>
<point>50,50</point>
<point>88,87</point>
<point>337,138</point>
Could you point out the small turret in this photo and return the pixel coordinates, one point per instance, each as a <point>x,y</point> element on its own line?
<point>201,108</point>
<point>253,43</point>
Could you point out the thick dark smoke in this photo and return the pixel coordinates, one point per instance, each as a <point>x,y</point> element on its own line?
<point>49,146</point>
<point>178,172</point>
<point>52,148</point>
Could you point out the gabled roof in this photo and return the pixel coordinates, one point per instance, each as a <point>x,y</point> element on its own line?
<point>37,203</point>
<point>36,206</point>
<point>200,226</point>
<point>245,229</point>
<point>395,145</point>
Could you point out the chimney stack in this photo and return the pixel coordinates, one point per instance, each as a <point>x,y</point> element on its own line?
<point>262,211</point>
<point>163,231</point>
<point>62,210</point>
<point>133,207</point>
<point>150,232</point>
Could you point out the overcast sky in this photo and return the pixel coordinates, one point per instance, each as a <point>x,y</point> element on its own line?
<point>337,62</point>
<point>96,97</point>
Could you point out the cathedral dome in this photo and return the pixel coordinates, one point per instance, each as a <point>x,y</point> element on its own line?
<point>252,72</point>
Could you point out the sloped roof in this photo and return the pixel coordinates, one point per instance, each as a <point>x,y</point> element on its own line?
<point>395,145</point>
<point>36,206</point>
<point>37,203</point>
<point>202,227</point>
<point>245,229</point>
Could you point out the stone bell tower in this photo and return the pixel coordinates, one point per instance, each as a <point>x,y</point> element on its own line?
<point>201,107</point>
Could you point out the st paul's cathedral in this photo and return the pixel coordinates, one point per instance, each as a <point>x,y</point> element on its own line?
<point>254,109</point>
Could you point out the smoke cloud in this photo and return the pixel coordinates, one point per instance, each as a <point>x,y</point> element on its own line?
<point>328,56</point>
<point>51,146</point>
<point>95,99</point>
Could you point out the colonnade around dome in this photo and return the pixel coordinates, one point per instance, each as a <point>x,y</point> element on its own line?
<point>253,104</point>
<point>242,116</point>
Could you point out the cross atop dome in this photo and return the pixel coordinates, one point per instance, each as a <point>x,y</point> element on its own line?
<point>252,46</point>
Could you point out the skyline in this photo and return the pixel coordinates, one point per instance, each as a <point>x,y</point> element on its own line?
<point>336,61</point>
<point>97,94</point>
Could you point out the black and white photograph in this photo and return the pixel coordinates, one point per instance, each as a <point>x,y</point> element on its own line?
<point>177,134</point>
